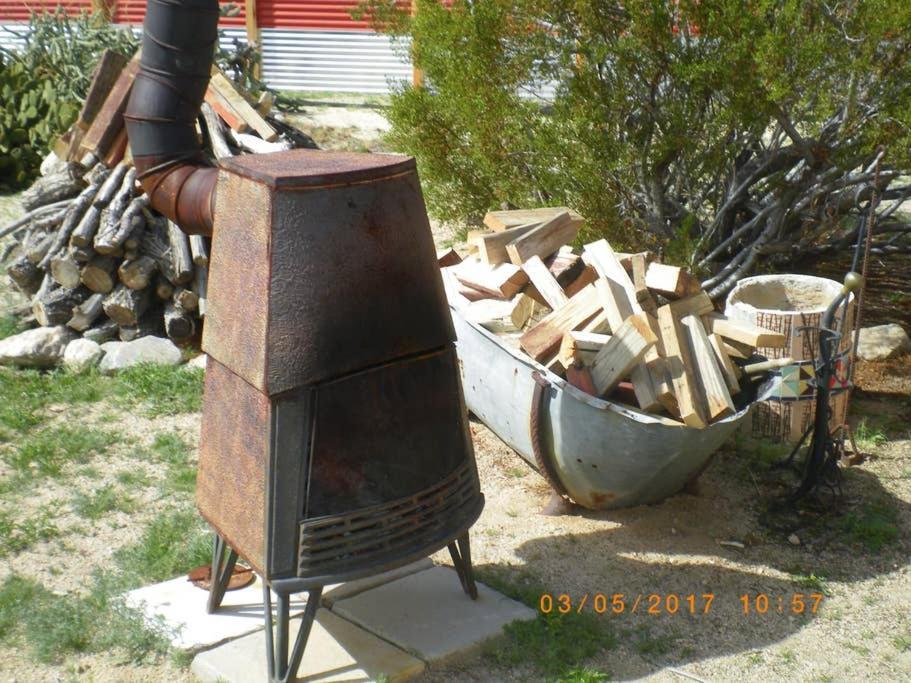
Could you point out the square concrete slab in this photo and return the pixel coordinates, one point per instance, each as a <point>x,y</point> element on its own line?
<point>339,591</point>
<point>181,606</point>
<point>430,616</point>
<point>336,651</point>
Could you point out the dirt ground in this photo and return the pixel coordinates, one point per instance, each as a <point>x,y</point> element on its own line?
<point>715,539</point>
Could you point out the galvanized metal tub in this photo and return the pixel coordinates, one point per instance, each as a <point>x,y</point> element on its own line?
<point>605,455</point>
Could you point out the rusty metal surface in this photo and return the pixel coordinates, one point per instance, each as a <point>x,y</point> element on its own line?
<point>183,192</point>
<point>233,462</point>
<point>350,261</point>
<point>302,168</point>
<point>241,577</point>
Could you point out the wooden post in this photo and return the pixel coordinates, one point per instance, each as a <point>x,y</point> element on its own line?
<point>104,7</point>
<point>253,34</point>
<point>417,75</point>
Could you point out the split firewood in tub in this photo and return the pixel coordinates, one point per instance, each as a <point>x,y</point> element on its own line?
<point>503,220</point>
<point>743,333</point>
<point>680,366</point>
<point>545,239</point>
<point>543,340</point>
<point>502,281</point>
<point>491,246</point>
<point>622,353</point>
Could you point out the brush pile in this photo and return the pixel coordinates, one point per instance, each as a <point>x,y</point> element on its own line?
<point>90,252</point>
<point>618,326</point>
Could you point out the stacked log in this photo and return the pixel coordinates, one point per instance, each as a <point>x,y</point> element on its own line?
<point>90,252</point>
<point>622,327</point>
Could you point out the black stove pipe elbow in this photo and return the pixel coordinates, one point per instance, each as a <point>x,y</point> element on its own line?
<point>178,46</point>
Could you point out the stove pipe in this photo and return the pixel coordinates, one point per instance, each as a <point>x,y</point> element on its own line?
<point>178,45</point>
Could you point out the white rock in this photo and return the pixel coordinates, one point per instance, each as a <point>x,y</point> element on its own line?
<point>883,342</point>
<point>82,354</point>
<point>198,362</point>
<point>42,347</point>
<point>52,164</point>
<point>794,539</point>
<point>120,355</point>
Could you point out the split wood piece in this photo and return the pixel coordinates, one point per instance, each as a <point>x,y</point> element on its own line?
<point>622,353</point>
<point>544,282</point>
<point>111,185</point>
<point>109,238</point>
<point>617,297</point>
<point>186,299</point>
<point>138,274</point>
<point>580,377</point>
<point>658,366</point>
<point>737,350</point>
<point>597,325</point>
<point>766,365</point>
<point>216,134</point>
<point>105,331</point>
<point>109,68</point>
<point>565,266</point>
<point>502,220</point>
<point>524,308</point>
<point>670,281</point>
<point>125,306</point>
<point>163,288</point>
<point>699,303</point>
<point>55,307</point>
<point>53,188</point>
<point>554,365</point>
<point>37,246</point>
<point>626,259</point>
<point>256,145</point>
<point>445,257</point>
<point>712,385</point>
<point>181,257</point>
<point>680,366</point>
<point>108,122</point>
<point>233,107</point>
<point>25,275</point>
<point>492,314</point>
<point>638,272</point>
<point>581,347</point>
<point>502,281</point>
<point>86,313</point>
<point>730,371</point>
<point>125,234</point>
<point>491,246</point>
<point>118,150</point>
<point>65,271</point>
<point>70,221</point>
<point>743,332</point>
<point>586,277</point>
<point>545,239</point>
<point>85,214</point>
<point>200,288</point>
<point>178,322</point>
<point>543,340</point>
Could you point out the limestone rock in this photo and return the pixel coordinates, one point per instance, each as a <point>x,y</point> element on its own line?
<point>198,362</point>
<point>156,350</point>
<point>42,347</point>
<point>883,342</point>
<point>82,354</point>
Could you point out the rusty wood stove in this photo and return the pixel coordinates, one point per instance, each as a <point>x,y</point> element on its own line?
<point>335,440</point>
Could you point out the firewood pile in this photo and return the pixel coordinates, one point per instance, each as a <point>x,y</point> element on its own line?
<point>618,326</point>
<point>90,252</point>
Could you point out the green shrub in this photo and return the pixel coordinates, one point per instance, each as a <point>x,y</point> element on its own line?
<point>42,87</point>
<point>662,109</point>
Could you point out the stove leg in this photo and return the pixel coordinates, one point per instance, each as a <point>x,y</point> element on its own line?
<point>283,669</point>
<point>460,551</point>
<point>220,572</point>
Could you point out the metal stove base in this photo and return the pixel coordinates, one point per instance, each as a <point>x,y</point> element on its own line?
<point>282,667</point>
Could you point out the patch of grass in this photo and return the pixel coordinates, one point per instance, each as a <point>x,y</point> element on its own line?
<point>133,478</point>
<point>902,643</point>
<point>652,645</point>
<point>106,499</point>
<point>583,676</point>
<point>517,472</point>
<point>53,626</point>
<point>175,542</point>
<point>789,656</point>
<point>9,325</point>
<point>172,450</point>
<point>18,536</point>
<point>554,643</point>
<point>875,525</point>
<point>47,452</point>
<point>24,394</point>
<point>813,582</point>
<point>161,389</point>
<point>868,436</point>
